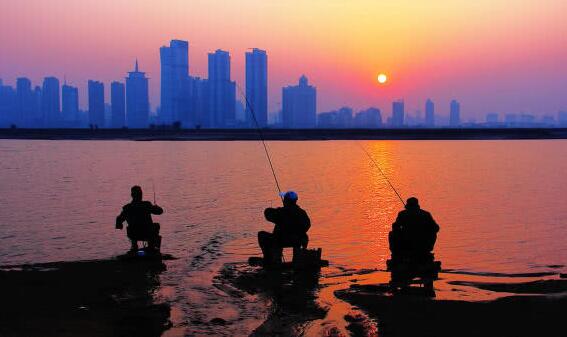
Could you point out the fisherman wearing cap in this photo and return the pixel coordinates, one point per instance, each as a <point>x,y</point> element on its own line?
<point>291,226</point>
<point>414,233</point>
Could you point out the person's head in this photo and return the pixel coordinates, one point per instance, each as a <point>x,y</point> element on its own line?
<point>289,198</point>
<point>412,203</point>
<point>136,192</point>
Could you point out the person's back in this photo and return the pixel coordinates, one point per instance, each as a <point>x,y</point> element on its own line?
<point>290,230</point>
<point>138,215</point>
<point>291,223</point>
<point>414,232</point>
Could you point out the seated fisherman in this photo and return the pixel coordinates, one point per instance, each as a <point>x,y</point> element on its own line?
<point>138,215</point>
<point>414,233</point>
<point>291,226</point>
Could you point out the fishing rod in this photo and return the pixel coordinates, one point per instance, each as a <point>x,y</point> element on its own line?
<point>381,172</point>
<point>261,134</point>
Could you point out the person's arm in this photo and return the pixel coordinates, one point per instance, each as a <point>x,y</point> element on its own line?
<point>155,209</point>
<point>397,225</point>
<point>271,214</point>
<point>120,220</point>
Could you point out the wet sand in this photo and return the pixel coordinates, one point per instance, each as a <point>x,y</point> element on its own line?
<point>87,298</point>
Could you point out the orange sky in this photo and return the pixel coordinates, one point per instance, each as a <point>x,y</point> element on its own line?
<point>494,56</point>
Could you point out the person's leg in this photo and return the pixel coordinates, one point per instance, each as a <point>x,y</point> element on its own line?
<point>266,242</point>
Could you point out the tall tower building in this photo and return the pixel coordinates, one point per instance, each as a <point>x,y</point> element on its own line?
<point>50,98</point>
<point>429,113</point>
<point>299,105</point>
<point>137,99</point>
<point>257,86</point>
<point>455,114</point>
<point>174,81</point>
<point>24,98</point>
<point>118,104</point>
<point>398,113</point>
<point>70,102</point>
<point>222,91</point>
<point>96,104</point>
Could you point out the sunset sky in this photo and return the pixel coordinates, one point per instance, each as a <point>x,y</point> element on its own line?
<point>493,55</point>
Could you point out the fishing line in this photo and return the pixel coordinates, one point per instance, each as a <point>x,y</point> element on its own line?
<point>259,129</point>
<point>381,172</point>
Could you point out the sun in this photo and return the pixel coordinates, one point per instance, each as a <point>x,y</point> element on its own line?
<point>382,78</point>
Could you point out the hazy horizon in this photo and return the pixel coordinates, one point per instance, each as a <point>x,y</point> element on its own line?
<point>492,56</point>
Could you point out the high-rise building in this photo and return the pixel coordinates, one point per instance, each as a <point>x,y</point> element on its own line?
<point>398,113</point>
<point>455,114</point>
<point>299,105</point>
<point>70,103</point>
<point>369,119</point>
<point>137,99</point>
<point>96,104</point>
<point>25,104</point>
<point>257,86</point>
<point>199,91</point>
<point>429,113</point>
<point>8,104</point>
<point>118,104</point>
<point>222,91</point>
<point>174,81</point>
<point>50,101</point>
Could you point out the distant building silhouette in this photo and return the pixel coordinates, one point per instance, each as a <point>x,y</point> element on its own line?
<point>429,113</point>
<point>199,91</point>
<point>492,119</point>
<point>562,118</point>
<point>455,114</point>
<point>8,104</point>
<point>257,86</point>
<point>222,91</point>
<point>398,113</point>
<point>25,113</point>
<point>174,81</point>
<point>70,103</point>
<point>50,101</point>
<point>137,99</point>
<point>118,104</point>
<point>370,118</point>
<point>299,105</point>
<point>96,104</point>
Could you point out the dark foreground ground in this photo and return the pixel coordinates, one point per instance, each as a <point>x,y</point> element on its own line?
<point>91,298</point>
<point>114,298</point>
<point>530,309</point>
<point>284,134</point>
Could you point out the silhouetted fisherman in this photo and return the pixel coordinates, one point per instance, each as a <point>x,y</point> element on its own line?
<point>291,226</point>
<point>138,215</point>
<point>413,233</point>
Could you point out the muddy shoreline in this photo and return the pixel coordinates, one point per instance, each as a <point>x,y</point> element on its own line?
<point>86,298</point>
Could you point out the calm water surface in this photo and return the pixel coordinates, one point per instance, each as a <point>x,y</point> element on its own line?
<point>501,205</point>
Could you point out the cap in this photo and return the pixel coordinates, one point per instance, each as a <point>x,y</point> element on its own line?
<point>290,195</point>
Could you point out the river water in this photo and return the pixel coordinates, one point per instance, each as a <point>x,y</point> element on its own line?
<point>501,206</point>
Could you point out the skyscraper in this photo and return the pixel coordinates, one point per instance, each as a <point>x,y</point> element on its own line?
<point>174,81</point>
<point>257,86</point>
<point>222,91</point>
<point>96,104</point>
<point>398,113</point>
<point>8,104</point>
<point>70,102</point>
<point>50,98</point>
<point>299,105</point>
<point>455,114</point>
<point>24,97</point>
<point>137,99</point>
<point>118,104</point>
<point>429,113</point>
